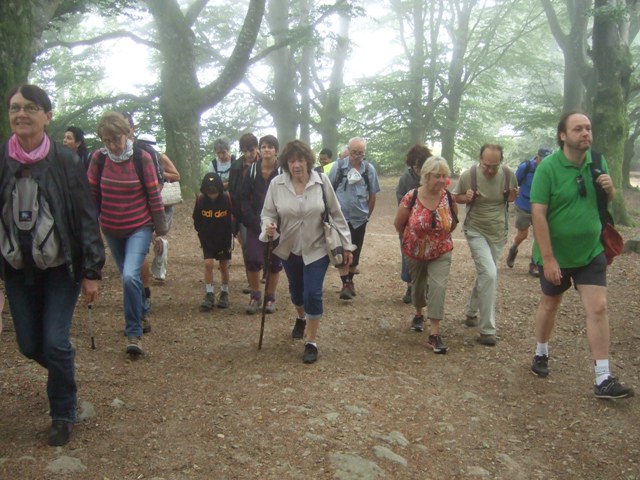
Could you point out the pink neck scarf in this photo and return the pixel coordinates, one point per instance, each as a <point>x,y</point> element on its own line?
<point>27,158</point>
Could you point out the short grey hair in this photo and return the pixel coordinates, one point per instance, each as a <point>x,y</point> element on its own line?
<point>433,165</point>
<point>221,143</point>
<point>357,139</point>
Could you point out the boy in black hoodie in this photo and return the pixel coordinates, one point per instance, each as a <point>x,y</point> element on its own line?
<point>213,220</point>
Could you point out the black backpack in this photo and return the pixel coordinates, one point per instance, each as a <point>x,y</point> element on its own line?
<point>156,159</point>
<point>137,163</point>
<point>414,198</point>
<point>341,176</point>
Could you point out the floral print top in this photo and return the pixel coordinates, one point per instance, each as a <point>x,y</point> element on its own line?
<point>427,234</point>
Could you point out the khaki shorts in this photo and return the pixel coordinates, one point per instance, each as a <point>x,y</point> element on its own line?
<point>523,219</point>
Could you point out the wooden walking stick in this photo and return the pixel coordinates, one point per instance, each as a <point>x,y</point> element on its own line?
<point>266,286</point>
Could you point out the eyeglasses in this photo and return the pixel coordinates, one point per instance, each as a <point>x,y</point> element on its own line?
<point>112,141</point>
<point>29,108</point>
<point>356,153</point>
<point>582,188</point>
<point>489,168</point>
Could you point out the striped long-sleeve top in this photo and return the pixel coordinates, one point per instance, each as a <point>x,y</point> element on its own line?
<point>125,203</point>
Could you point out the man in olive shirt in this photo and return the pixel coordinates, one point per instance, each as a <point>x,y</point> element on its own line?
<point>486,228</point>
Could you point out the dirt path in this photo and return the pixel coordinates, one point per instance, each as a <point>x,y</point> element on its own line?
<point>204,403</point>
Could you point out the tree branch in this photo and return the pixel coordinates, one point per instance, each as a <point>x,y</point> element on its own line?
<point>101,38</point>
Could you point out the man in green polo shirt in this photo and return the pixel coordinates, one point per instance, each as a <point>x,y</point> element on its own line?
<point>568,249</point>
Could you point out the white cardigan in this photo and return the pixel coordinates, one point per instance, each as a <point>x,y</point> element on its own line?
<point>282,207</point>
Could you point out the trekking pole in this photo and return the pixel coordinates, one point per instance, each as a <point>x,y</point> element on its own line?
<point>92,333</point>
<point>266,286</point>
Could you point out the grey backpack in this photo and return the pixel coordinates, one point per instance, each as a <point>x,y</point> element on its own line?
<point>28,236</point>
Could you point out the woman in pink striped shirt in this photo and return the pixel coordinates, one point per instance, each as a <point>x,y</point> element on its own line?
<point>125,188</point>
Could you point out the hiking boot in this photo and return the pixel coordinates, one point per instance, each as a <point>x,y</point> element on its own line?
<point>540,365</point>
<point>246,289</point>
<point>270,307</point>
<point>146,324</point>
<point>253,306</point>
<point>487,339</point>
<point>298,328</point>
<point>59,433</point>
<point>310,353</point>
<point>511,257</point>
<point>345,293</point>
<point>223,300</point>
<point>533,270</point>
<point>611,389</point>
<point>207,303</point>
<point>134,346</point>
<point>407,296</point>
<point>471,321</point>
<point>417,324</point>
<point>435,343</point>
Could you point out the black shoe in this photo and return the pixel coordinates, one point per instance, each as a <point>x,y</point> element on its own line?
<point>611,389</point>
<point>417,324</point>
<point>298,328</point>
<point>540,365</point>
<point>310,353</point>
<point>435,343</point>
<point>223,300</point>
<point>511,257</point>
<point>407,296</point>
<point>59,433</point>
<point>533,270</point>
<point>207,303</point>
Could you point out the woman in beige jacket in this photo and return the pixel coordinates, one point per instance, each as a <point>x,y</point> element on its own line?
<point>292,214</point>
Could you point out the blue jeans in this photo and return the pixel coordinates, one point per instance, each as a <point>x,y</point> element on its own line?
<point>305,284</point>
<point>129,253</point>
<point>42,315</point>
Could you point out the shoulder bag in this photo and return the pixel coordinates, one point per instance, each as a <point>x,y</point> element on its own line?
<point>171,194</point>
<point>334,240</point>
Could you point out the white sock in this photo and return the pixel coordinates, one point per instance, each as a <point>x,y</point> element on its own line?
<point>224,288</point>
<point>312,343</point>
<point>209,287</point>
<point>542,349</point>
<point>601,368</point>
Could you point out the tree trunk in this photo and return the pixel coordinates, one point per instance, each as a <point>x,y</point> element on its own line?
<point>179,104</point>
<point>182,100</point>
<point>305,77</point>
<point>574,49</point>
<point>612,66</point>
<point>284,107</point>
<point>21,25</point>
<point>330,111</point>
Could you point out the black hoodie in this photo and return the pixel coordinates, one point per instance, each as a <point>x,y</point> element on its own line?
<point>213,219</point>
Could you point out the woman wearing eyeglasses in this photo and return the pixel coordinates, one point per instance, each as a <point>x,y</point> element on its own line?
<point>124,186</point>
<point>43,289</point>
<point>425,219</point>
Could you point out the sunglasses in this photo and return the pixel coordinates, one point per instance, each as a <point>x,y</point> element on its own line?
<point>582,188</point>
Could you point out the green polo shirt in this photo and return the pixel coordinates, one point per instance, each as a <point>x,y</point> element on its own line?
<point>574,223</point>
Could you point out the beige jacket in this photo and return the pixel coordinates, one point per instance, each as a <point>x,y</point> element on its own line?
<point>291,215</point>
